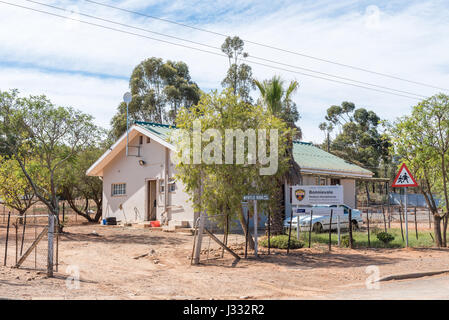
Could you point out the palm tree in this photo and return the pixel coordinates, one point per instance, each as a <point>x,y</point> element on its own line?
<point>278,101</point>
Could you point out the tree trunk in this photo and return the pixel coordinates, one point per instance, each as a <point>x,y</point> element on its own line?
<point>277,214</point>
<point>437,229</point>
<point>368,200</point>
<point>445,219</point>
<point>79,212</point>
<point>99,213</point>
<point>242,220</point>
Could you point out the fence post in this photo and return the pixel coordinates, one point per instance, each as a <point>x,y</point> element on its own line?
<point>256,221</point>
<point>17,241</point>
<point>57,251</point>
<point>269,232</point>
<point>23,232</point>
<point>338,229</point>
<point>385,221</point>
<point>389,216</point>
<point>247,231</point>
<point>199,239</point>
<point>310,227</point>
<point>290,232</point>
<point>51,230</point>
<point>416,225</point>
<point>7,237</point>
<point>350,229</point>
<point>297,227</point>
<point>330,231</point>
<point>400,219</point>
<point>367,224</point>
<point>35,237</point>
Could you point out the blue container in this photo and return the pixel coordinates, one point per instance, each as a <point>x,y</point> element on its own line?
<point>103,222</point>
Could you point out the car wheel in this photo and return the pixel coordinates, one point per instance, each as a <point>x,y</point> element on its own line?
<point>355,225</point>
<point>318,227</point>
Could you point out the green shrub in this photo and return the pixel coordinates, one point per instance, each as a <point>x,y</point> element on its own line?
<point>345,241</point>
<point>281,242</point>
<point>385,237</point>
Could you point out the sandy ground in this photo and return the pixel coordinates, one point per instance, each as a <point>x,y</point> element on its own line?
<point>109,269</point>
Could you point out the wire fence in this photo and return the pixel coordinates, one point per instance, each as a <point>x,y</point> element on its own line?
<point>365,232</point>
<point>366,228</point>
<point>24,242</point>
<point>67,215</point>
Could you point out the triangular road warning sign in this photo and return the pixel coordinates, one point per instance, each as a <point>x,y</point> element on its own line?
<point>404,178</point>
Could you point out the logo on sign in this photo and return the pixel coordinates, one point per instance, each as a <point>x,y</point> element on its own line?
<point>300,194</point>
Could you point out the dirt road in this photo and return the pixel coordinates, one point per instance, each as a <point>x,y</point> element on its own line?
<point>109,268</point>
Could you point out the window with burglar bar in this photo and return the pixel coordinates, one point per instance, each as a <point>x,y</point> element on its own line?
<point>118,189</point>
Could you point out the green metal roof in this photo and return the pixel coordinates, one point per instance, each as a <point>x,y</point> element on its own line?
<point>161,130</point>
<point>305,154</point>
<point>310,157</point>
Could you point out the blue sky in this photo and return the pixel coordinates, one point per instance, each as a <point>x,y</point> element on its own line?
<point>88,68</point>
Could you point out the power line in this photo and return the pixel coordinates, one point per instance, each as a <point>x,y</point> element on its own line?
<point>218,48</point>
<point>270,46</point>
<point>205,51</point>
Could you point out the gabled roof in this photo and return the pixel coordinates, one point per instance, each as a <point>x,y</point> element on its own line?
<point>161,130</point>
<point>315,160</point>
<point>310,158</point>
<point>157,132</point>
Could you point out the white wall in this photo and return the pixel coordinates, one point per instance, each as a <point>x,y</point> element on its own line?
<point>348,191</point>
<point>127,170</point>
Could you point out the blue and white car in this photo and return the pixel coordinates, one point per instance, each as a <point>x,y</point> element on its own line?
<point>321,217</point>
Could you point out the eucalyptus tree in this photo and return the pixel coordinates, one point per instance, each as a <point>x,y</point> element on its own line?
<point>359,139</point>
<point>159,90</point>
<point>239,77</point>
<point>327,128</point>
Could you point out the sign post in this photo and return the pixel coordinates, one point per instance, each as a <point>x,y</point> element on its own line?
<point>255,198</point>
<point>404,179</point>
<point>255,228</point>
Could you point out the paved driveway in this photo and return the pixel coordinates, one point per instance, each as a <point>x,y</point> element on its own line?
<point>429,288</point>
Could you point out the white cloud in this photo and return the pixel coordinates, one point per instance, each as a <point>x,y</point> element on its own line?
<point>407,40</point>
<point>98,97</point>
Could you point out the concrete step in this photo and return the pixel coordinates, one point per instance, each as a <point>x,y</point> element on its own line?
<point>177,229</point>
<point>178,223</point>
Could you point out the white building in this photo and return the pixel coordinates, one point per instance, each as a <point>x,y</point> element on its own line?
<point>141,187</point>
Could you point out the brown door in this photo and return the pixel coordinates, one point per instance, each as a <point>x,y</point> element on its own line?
<point>152,202</point>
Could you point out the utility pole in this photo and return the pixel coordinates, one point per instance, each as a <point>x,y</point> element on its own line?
<point>127,99</point>
<point>406,219</point>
